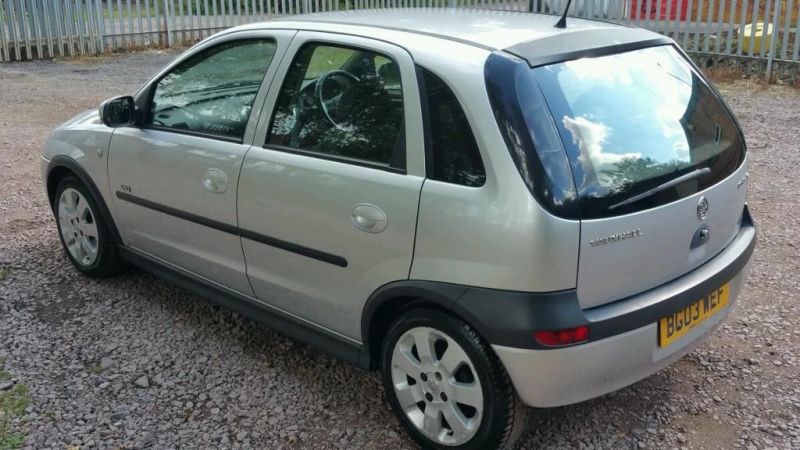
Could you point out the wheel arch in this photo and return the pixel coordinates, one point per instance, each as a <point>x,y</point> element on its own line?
<point>62,166</point>
<point>392,299</point>
<point>500,317</point>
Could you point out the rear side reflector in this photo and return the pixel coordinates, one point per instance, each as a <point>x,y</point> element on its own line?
<point>558,338</point>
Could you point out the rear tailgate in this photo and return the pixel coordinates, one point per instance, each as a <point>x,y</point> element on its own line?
<point>622,256</point>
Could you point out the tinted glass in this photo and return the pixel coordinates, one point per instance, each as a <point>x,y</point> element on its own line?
<point>530,134</point>
<point>633,121</point>
<point>454,153</point>
<point>213,92</point>
<point>341,102</point>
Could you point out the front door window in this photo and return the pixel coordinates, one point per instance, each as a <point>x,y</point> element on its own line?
<point>212,92</point>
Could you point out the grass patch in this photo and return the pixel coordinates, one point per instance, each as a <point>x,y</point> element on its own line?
<point>3,275</point>
<point>9,440</point>
<point>12,404</point>
<point>724,73</point>
<point>14,401</point>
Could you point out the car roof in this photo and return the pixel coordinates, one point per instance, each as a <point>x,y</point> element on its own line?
<point>485,28</point>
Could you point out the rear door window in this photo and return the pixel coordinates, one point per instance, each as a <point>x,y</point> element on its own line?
<point>341,103</point>
<point>631,122</point>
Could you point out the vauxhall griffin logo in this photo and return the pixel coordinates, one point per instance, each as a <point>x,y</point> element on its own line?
<point>702,208</point>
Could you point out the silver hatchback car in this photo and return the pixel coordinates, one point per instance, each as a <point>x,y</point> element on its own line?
<point>492,211</point>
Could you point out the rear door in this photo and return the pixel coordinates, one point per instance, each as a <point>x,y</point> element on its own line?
<point>175,178</point>
<point>328,195</point>
<point>658,163</point>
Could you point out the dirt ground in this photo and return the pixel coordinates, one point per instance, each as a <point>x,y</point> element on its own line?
<point>133,362</point>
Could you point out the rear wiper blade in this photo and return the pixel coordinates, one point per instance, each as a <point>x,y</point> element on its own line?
<point>664,186</point>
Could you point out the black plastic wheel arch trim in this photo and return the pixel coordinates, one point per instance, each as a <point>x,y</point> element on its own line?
<point>232,229</point>
<point>65,162</point>
<point>509,318</point>
<point>274,319</point>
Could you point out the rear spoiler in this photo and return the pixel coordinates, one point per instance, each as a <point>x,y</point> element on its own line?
<point>576,44</point>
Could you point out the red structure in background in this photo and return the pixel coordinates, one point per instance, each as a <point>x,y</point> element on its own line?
<point>669,9</point>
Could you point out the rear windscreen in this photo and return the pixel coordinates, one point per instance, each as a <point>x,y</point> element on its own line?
<point>632,122</point>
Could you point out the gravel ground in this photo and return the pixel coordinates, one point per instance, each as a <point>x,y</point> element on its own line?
<point>133,362</point>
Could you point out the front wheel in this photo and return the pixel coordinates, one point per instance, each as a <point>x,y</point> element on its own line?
<point>86,238</point>
<point>447,386</point>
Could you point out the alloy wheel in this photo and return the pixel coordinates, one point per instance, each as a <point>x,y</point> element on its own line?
<point>437,386</point>
<point>78,227</point>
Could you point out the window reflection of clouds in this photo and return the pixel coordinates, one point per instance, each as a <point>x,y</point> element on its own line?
<point>627,106</point>
<point>590,137</point>
<point>669,115</point>
<point>597,70</point>
<point>635,120</point>
<point>681,149</point>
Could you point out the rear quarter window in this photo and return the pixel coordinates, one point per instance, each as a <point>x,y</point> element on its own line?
<point>453,155</point>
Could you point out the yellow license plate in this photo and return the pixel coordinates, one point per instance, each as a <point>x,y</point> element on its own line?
<point>673,327</point>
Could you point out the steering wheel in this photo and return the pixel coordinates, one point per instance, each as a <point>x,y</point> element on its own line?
<point>345,81</point>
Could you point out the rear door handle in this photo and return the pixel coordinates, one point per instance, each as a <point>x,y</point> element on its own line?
<point>368,217</point>
<point>215,181</point>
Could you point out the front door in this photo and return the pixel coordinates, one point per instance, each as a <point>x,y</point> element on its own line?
<point>328,195</point>
<point>175,178</point>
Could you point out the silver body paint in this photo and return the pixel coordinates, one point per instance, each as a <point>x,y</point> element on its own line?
<point>494,236</point>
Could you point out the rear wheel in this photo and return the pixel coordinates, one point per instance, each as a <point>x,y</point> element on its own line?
<point>87,239</point>
<point>447,386</point>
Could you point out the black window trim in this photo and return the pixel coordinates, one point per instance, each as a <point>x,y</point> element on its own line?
<point>426,120</point>
<point>402,157</point>
<point>556,195</point>
<point>153,86</point>
<point>426,127</point>
<point>199,134</point>
<point>335,158</point>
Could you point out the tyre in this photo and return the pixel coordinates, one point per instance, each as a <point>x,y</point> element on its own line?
<point>87,239</point>
<point>447,386</point>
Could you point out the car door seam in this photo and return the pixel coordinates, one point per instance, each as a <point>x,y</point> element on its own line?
<point>416,228</point>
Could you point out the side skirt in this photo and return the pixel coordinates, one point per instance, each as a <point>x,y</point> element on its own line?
<point>276,320</point>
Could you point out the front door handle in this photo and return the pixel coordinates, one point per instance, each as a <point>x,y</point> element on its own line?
<point>368,217</point>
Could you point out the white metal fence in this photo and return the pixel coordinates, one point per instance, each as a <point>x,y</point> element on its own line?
<point>762,31</point>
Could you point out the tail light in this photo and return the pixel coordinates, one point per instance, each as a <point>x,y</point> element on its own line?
<point>559,338</point>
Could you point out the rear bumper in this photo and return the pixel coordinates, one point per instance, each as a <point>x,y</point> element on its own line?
<point>624,346</point>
